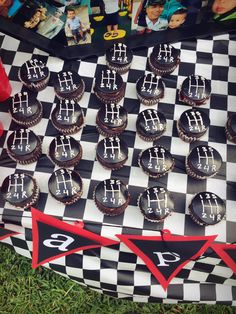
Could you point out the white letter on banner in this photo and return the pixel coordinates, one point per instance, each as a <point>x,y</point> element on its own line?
<point>162,260</point>
<point>62,244</point>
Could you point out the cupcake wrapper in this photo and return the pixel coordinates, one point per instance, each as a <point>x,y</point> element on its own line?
<point>159,71</point>
<point>230,137</point>
<point>109,101</point>
<point>36,87</point>
<point>75,97</point>
<point>27,161</point>
<point>148,102</point>
<point>183,136</point>
<point>192,174</point>
<point>33,122</point>
<point>150,138</point>
<point>119,70</point>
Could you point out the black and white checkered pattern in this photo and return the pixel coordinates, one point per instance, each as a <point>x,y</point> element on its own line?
<point>119,272</point>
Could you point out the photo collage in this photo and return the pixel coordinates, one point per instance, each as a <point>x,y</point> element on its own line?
<point>78,22</point>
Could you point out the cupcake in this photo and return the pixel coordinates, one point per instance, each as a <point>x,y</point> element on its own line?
<point>192,124</point>
<point>69,85</point>
<point>20,190</point>
<point>65,151</point>
<point>25,109</point>
<point>207,208</point>
<point>164,59</point>
<point>111,119</point>
<point>156,161</point>
<point>67,117</point>
<point>155,204</point>
<point>150,124</point>
<point>230,128</point>
<point>65,186</point>
<point>195,90</point>
<point>34,74</point>
<point>203,162</point>
<point>111,197</point>
<point>150,89</point>
<point>119,58</point>
<point>112,153</point>
<point>109,87</point>
<point>24,146</point>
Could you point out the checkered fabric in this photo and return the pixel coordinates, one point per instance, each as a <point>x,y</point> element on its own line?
<point>119,272</point>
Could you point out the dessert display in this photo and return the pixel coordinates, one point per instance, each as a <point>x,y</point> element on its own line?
<point>112,152</point>
<point>67,117</point>
<point>65,186</point>
<point>109,86</point>
<point>119,58</point>
<point>164,59</point>
<point>207,208</point>
<point>150,124</point>
<point>150,89</point>
<point>111,119</point>
<point>230,128</point>
<point>111,197</point>
<point>69,85</point>
<point>25,109</point>
<point>192,124</point>
<point>203,162</point>
<point>24,146</point>
<point>34,74</point>
<point>195,90</point>
<point>20,190</point>
<point>65,151</point>
<point>155,203</point>
<point>156,161</point>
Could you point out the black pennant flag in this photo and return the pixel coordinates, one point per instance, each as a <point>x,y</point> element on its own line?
<point>227,252</point>
<point>165,256</point>
<point>5,233</point>
<point>53,238</point>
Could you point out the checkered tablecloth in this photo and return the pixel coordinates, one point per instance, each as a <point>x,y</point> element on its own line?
<point>121,273</point>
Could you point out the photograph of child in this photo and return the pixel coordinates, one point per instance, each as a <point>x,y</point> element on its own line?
<point>111,8</point>
<point>39,15</point>
<point>53,24</point>
<point>177,18</point>
<point>77,26</point>
<point>8,8</point>
<point>147,17</point>
<point>224,10</point>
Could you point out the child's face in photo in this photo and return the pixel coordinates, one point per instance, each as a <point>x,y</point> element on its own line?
<point>2,2</point>
<point>177,20</point>
<point>223,6</point>
<point>153,12</point>
<point>71,14</point>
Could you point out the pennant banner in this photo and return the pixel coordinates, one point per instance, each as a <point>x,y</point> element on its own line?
<point>166,255</point>
<point>5,233</point>
<point>227,252</point>
<point>53,238</point>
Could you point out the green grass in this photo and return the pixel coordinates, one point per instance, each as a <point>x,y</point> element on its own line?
<point>23,290</point>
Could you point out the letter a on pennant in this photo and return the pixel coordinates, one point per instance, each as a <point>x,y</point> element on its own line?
<point>53,238</point>
<point>165,256</point>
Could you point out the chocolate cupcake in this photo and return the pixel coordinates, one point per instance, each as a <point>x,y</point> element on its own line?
<point>112,153</point>
<point>150,89</point>
<point>109,87</point>
<point>156,161</point>
<point>119,58</point>
<point>34,74</point>
<point>65,151</point>
<point>203,162</point>
<point>192,124</point>
<point>111,197</point>
<point>25,109</point>
<point>20,190</point>
<point>67,117</point>
<point>230,128</point>
<point>111,119</point>
<point>155,204</point>
<point>207,208</point>
<point>24,146</point>
<point>150,124</point>
<point>164,59</point>
<point>65,186</point>
<point>69,85</point>
<point>195,90</point>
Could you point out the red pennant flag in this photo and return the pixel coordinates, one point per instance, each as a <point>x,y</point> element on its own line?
<point>166,255</point>
<point>53,238</point>
<point>227,252</point>
<point>5,233</point>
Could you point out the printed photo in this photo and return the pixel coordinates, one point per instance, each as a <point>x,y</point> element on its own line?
<point>77,26</point>
<point>54,22</point>
<point>8,8</point>
<point>223,10</point>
